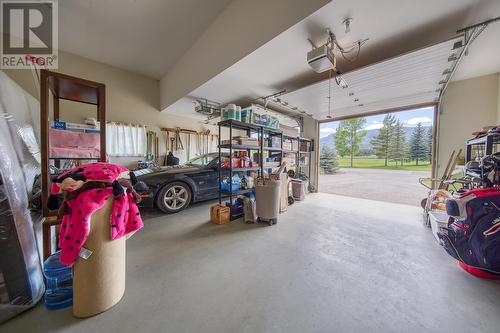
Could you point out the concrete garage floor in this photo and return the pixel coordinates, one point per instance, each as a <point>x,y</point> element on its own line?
<point>384,185</point>
<point>332,264</point>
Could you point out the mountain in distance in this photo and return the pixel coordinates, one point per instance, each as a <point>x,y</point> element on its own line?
<point>366,142</point>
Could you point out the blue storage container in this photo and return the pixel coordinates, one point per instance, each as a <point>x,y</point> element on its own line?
<point>235,184</point>
<point>58,283</point>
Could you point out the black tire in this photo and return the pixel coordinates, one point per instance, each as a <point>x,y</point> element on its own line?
<point>180,200</point>
<point>423,203</point>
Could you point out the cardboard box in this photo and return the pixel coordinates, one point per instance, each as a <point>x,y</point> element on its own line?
<point>305,146</point>
<point>274,142</point>
<point>248,142</point>
<point>226,164</point>
<point>287,145</point>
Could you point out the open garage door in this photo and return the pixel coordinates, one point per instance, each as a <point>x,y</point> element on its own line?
<point>410,80</point>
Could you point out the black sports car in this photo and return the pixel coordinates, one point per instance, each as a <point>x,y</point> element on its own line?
<point>173,188</point>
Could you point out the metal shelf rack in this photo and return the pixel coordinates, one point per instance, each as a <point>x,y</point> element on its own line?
<point>482,146</point>
<point>298,152</point>
<point>263,134</point>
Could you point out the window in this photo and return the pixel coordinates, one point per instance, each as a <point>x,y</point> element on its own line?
<point>125,140</point>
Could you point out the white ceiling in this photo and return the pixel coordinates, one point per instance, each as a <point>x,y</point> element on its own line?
<point>150,36</point>
<point>142,36</point>
<point>410,79</point>
<point>393,26</point>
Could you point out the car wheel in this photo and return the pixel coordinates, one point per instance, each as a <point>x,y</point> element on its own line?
<point>174,197</point>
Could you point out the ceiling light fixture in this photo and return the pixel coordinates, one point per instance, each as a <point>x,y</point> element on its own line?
<point>279,104</point>
<point>341,82</point>
<point>347,23</point>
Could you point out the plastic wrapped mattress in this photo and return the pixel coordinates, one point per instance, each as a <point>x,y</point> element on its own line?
<point>21,279</point>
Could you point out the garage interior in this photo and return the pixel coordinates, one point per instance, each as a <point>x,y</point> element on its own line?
<point>199,108</point>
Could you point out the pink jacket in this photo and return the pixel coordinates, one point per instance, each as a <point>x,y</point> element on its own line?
<point>125,217</point>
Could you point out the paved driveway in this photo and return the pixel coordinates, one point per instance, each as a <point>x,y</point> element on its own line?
<point>382,185</point>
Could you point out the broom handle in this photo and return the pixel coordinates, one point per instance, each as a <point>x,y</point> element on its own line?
<point>445,173</point>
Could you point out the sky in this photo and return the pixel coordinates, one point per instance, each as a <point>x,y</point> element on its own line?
<point>409,118</point>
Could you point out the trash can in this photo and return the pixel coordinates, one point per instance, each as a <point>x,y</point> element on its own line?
<point>267,195</point>
<point>298,189</point>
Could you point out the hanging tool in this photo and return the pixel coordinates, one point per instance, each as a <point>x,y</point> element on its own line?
<point>178,141</point>
<point>172,140</point>
<point>188,146</point>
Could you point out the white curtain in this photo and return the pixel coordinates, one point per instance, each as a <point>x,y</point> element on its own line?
<point>125,140</point>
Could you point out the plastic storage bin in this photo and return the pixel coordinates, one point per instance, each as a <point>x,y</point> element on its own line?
<point>232,111</point>
<point>58,283</point>
<point>267,193</point>
<point>438,219</point>
<point>247,115</point>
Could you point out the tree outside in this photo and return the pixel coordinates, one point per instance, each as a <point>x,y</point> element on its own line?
<point>418,145</point>
<point>348,137</point>
<point>398,149</point>
<point>428,143</point>
<point>382,142</point>
<point>328,160</point>
<point>400,141</point>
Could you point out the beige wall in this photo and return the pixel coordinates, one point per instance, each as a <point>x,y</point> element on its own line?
<point>130,98</point>
<point>467,106</point>
<point>311,130</point>
<point>498,100</point>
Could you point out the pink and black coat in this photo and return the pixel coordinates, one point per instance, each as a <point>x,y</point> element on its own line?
<point>87,188</point>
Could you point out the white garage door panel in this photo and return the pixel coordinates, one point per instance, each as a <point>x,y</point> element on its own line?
<point>386,105</point>
<point>406,80</point>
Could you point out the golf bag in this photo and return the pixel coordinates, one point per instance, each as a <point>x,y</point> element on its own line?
<point>473,232</point>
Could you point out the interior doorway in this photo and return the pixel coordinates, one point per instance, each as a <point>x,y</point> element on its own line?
<point>379,156</point>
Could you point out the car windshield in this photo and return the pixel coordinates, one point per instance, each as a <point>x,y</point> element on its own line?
<point>203,160</point>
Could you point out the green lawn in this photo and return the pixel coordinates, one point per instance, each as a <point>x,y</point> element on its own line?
<point>378,163</point>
